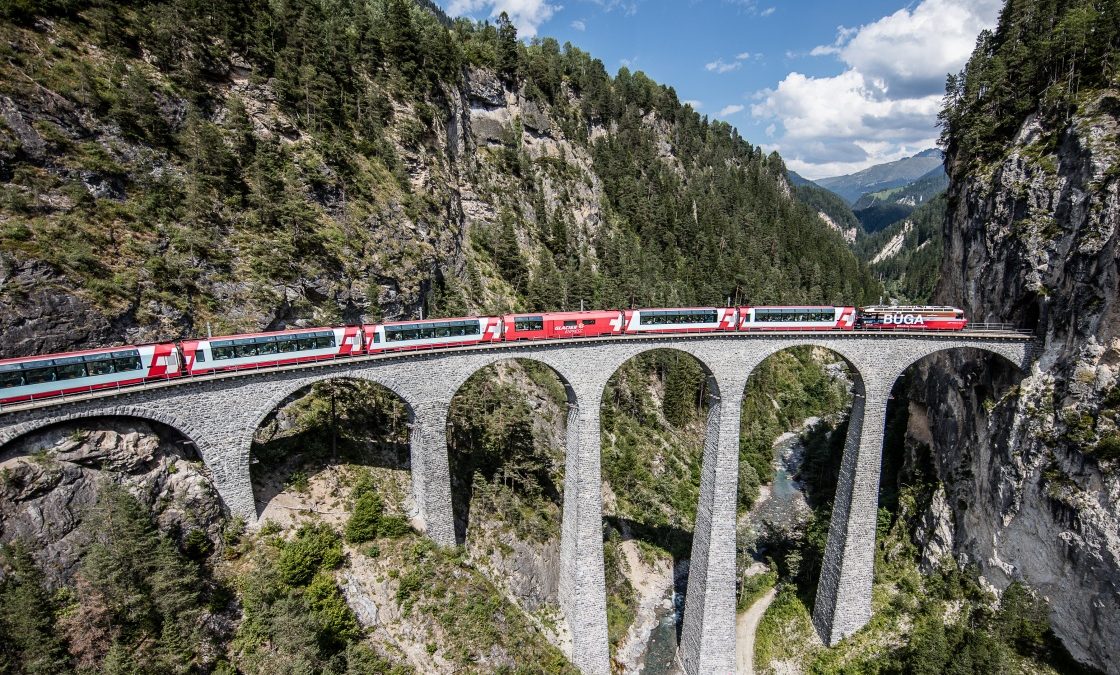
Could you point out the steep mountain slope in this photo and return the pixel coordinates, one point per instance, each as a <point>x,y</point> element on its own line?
<point>906,255</point>
<point>166,167</point>
<point>797,180</point>
<point>879,210</point>
<point>831,209</point>
<point>913,194</point>
<point>883,176</point>
<point>1033,142</point>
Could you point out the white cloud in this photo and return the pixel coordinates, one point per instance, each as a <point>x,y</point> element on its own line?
<point>696,105</point>
<point>720,66</point>
<point>742,56</point>
<point>884,104</point>
<point>527,15</point>
<point>728,110</point>
<point>768,11</point>
<point>579,25</point>
<point>629,63</point>
<point>911,51</point>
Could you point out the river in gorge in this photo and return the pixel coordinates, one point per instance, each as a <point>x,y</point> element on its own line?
<point>782,503</point>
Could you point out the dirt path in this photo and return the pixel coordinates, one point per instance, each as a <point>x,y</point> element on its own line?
<point>745,627</point>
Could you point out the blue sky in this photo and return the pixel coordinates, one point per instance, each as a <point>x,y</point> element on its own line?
<point>835,87</point>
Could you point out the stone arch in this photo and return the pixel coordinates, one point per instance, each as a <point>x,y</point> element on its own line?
<point>293,392</point>
<point>463,464</point>
<point>10,434</point>
<point>843,603</point>
<point>1015,353</point>
<point>289,393</point>
<point>544,355</point>
<point>753,383</point>
<point>684,539</point>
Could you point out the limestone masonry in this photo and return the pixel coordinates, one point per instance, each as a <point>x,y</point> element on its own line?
<point>221,414</point>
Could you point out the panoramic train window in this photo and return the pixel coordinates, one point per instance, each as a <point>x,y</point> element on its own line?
<point>266,345</point>
<point>589,322</point>
<point>427,331</point>
<point>124,361</point>
<point>795,314</point>
<point>100,364</point>
<point>287,343</point>
<point>38,375</point>
<point>10,376</point>
<point>528,323</point>
<point>664,317</point>
<point>70,368</point>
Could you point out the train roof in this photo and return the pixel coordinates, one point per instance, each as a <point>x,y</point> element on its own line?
<point>910,308</point>
<point>84,352</point>
<point>286,331</point>
<point>565,315</point>
<point>409,322</point>
<point>795,306</point>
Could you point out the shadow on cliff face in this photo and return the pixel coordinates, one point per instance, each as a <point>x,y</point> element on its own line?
<point>50,478</point>
<point>328,424</point>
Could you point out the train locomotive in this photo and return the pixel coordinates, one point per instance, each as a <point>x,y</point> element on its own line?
<point>37,377</point>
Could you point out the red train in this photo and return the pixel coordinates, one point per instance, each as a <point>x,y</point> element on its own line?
<point>36,377</point>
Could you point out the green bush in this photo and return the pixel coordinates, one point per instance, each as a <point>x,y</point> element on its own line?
<point>393,527</point>
<point>1108,448</point>
<point>365,518</point>
<point>197,545</point>
<point>337,623</point>
<point>316,547</point>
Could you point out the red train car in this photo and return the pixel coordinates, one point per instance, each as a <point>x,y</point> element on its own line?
<point>797,317</point>
<point>254,350</point>
<point>561,325</point>
<point>432,333</point>
<point>910,317</point>
<point>36,377</point>
<point>681,320</point>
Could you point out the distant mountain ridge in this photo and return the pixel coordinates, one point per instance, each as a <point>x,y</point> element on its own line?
<point>913,194</point>
<point>886,176</point>
<point>877,210</point>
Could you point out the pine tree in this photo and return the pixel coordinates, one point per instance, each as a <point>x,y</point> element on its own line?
<point>507,255</point>
<point>509,59</point>
<point>30,644</point>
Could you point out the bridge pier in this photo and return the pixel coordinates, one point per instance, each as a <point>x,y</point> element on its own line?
<point>843,603</point>
<point>582,583</point>
<point>229,471</point>
<point>708,630</point>
<point>431,477</point>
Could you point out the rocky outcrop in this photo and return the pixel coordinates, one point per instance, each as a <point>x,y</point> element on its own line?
<point>892,247</point>
<point>848,234</point>
<point>1030,466</point>
<point>50,479</point>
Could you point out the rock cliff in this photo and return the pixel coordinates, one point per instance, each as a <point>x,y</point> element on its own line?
<point>50,479</point>
<point>1029,465</point>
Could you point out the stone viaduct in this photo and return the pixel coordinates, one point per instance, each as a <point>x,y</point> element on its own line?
<point>221,413</point>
